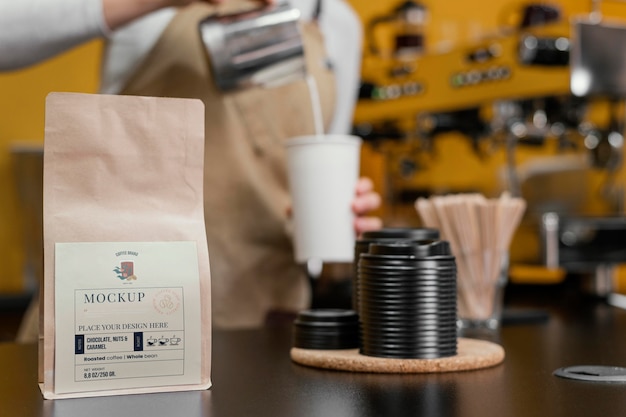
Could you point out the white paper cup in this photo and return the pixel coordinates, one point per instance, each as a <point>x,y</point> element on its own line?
<point>323,171</point>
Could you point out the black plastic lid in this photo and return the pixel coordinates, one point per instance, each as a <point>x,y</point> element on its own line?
<point>327,315</point>
<point>401,233</point>
<point>414,249</point>
<point>326,329</point>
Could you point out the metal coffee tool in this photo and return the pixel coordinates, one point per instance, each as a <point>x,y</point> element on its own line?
<point>593,373</point>
<point>261,46</point>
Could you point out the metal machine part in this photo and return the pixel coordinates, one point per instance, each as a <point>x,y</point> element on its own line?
<point>409,18</point>
<point>553,51</point>
<point>538,15</point>
<point>598,59</point>
<point>585,244</point>
<point>259,47</point>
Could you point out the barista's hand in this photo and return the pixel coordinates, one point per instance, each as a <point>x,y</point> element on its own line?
<point>366,200</point>
<point>183,2</point>
<point>120,12</point>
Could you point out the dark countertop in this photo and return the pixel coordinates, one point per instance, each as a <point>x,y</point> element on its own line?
<point>254,376</point>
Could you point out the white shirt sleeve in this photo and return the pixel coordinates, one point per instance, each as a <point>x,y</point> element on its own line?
<point>128,46</point>
<point>34,30</point>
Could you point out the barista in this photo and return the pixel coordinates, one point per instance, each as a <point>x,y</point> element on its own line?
<point>246,197</point>
<point>246,205</point>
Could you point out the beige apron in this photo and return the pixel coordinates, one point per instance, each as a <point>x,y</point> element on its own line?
<point>246,197</point>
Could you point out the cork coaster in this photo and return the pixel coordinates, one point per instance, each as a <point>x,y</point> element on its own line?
<point>471,354</point>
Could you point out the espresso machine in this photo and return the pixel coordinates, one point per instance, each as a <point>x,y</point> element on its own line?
<point>590,245</point>
<point>501,112</point>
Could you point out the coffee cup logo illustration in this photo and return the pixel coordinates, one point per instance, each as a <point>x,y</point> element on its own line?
<point>163,341</point>
<point>174,341</point>
<point>126,271</point>
<point>166,301</point>
<point>152,341</point>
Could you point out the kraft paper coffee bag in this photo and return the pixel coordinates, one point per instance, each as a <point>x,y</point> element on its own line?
<point>126,292</point>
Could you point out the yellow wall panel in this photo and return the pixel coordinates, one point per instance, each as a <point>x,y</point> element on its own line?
<point>22,104</point>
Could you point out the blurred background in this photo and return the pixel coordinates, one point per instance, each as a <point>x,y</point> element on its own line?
<point>487,97</point>
<point>455,97</point>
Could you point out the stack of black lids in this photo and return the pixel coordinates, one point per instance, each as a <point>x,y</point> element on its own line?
<point>407,300</point>
<point>326,329</point>
<point>390,234</point>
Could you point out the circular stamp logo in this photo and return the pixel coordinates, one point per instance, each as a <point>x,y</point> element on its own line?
<point>166,301</point>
